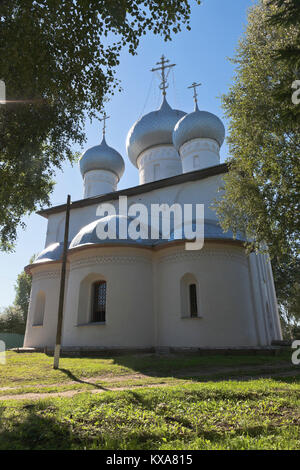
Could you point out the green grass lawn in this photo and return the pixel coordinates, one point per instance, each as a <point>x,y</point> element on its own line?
<point>167,402</point>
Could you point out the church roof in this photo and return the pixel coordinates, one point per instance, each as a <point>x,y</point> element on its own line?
<point>52,252</point>
<point>141,189</point>
<point>88,236</point>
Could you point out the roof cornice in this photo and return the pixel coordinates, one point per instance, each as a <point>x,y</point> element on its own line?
<point>144,188</point>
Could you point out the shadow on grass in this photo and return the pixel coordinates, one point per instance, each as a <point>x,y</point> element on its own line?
<point>34,432</point>
<point>39,428</point>
<point>212,368</point>
<point>239,377</point>
<point>38,432</point>
<point>81,381</point>
<point>199,368</point>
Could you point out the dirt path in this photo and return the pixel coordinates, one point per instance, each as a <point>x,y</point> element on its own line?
<point>173,374</point>
<point>71,393</point>
<point>271,371</point>
<point>83,380</point>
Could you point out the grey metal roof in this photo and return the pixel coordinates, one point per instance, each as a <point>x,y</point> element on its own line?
<point>52,252</point>
<point>198,124</point>
<point>213,231</point>
<point>154,128</point>
<point>141,188</point>
<point>102,157</point>
<point>87,236</point>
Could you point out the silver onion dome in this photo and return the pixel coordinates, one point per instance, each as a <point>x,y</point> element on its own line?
<point>102,157</point>
<point>198,124</point>
<point>154,128</point>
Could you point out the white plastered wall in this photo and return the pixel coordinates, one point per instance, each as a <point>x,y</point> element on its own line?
<point>158,163</point>
<point>224,305</point>
<point>129,319</point>
<point>232,295</point>
<point>199,153</point>
<point>98,182</point>
<point>45,278</point>
<point>265,306</point>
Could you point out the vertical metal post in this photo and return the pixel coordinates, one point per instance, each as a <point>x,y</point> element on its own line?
<point>62,288</point>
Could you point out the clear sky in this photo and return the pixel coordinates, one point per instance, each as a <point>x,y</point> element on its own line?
<point>200,54</point>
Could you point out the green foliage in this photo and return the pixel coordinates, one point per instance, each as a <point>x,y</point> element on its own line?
<point>59,60</point>
<point>13,318</point>
<point>12,321</point>
<point>23,289</point>
<point>287,13</point>
<point>287,275</point>
<point>261,195</point>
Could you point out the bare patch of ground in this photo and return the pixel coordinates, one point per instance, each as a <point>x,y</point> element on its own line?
<point>71,393</point>
<point>266,372</point>
<point>273,368</point>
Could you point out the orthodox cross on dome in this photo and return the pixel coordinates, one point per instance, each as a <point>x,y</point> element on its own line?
<point>163,67</point>
<point>104,119</point>
<point>194,86</point>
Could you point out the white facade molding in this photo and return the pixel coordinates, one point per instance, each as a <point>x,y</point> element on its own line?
<point>199,153</point>
<point>224,255</point>
<point>98,182</point>
<point>103,260</point>
<point>158,163</point>
<point>45,275</point>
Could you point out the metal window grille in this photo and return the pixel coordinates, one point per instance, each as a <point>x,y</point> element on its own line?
<point>99,305</point>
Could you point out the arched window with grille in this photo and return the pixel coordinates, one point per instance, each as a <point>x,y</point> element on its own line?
<point>99,302</point>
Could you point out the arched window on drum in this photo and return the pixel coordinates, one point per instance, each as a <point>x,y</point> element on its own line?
<point>190,299</point>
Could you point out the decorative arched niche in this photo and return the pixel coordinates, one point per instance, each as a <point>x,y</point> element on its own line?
<point>39,311</point>
<point>190,297</point>
<point>86,299</point>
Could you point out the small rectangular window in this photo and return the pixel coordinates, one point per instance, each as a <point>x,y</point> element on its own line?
<point>99,301</point>
<point>193,300</point>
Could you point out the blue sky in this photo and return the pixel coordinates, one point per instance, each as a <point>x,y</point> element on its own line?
<point>200,54</point>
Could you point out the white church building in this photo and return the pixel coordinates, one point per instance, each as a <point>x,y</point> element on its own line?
<point>129,293</point>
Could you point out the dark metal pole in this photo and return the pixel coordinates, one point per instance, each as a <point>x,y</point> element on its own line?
<point>62,288</point>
